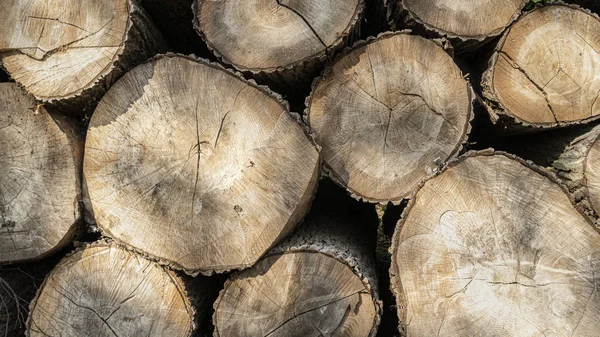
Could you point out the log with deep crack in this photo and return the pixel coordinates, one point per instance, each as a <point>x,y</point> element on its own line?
<point>319,282</point>
<point>499,247</point>
<point>387,113</point>
<point>40,178</point>
<point>104,290</point>
<point>192,164</point>
<point>68,52</point>
<point>543,73</point>
<point>283,42</point>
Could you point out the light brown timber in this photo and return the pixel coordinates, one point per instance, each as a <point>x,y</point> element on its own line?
<point>319,282</point>
<point>499,247</point>
<point>194,165</point>
<point>387,113</point>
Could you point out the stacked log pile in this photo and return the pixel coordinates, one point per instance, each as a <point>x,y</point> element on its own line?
<point>195,168</point>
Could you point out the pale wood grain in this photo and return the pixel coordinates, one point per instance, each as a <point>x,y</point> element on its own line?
<point>319,282</point>
<point>545,69</point>
<point>388,113</point>
<point>493,246</point>
<point>195,166</point>
<point>279,38</point>
<point>39,179</point>
<point>61,49</point>
<point>106,291</point>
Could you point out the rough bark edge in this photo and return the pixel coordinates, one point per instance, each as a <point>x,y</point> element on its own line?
<point>327,170</point>
<point>308,194</point>
<point>497,112</point>
<point>570,167</point>
<point>299,70</point>
<point>401,12</point>
<point>395,282</point>
<point>328,251</point>
<point>139,31</point>
<point>177,281</point>
<point>74,143</point>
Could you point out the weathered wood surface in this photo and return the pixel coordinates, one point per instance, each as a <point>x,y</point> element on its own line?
<point>285,41</point>
<point>579,167</point>
<point>387,113</point>
<point>40,178</point>
<point>544,71</point>
<point>197,167</point>
<point>104,290</point>
<point>468,24</point>
<point>494,244</point>
<point>68,52</point>
<point>319,282</point>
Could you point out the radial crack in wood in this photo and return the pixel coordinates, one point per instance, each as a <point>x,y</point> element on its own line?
<point>543,72</point>
<point>40,168</point>
<point>251,182</point>
<point>283,38</point>
<point>105,290</point>
<point>63,49</point>
<point>499,247</point>
<point>387,113</point>
<point>319,282</point>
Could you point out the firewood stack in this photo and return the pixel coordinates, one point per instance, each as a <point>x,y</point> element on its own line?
<point>233,168</point>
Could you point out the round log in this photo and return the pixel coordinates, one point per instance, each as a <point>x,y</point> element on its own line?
<point>387,113</point>
<point>319,282</point>
<point>468,24</point>
<point>577,166</point>
<point>285,41</point>
<point>106,291</point>
<point>499,247</point>
<point>40,185</point>
<point>68,52</point>
<point>197,167</point>
<point>543,72</point>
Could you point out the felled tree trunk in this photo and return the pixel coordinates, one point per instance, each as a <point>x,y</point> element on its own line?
<point>579,168</point>
<point>543,73</point>
<point>466,23</point>
<point>499,247</point>
<point>197,167</point>
<point>285,42</point>
<point>68,52</point>
<point>388,113</point>
<point>40,178</point>
<point>105,290</point>
<point>319,282</point>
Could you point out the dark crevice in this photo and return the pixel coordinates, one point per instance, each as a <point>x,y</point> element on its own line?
<point>199,153</point>
<point>305,21</point>
<point>515,65</point>
<point>311,310</point>
<point>58,20</point>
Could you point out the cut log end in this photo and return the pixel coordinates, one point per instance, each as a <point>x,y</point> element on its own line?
<point>390,111</point>
<point>58,50</point>
<point>491,238</point>
<point>39,179</point>
<point>319,282</point>
<point>463,19</point>
<point>205,178</point>
<point>104,290</point>
<point>324,296</point>
<point>542,73</point>
<point>269,36</point>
